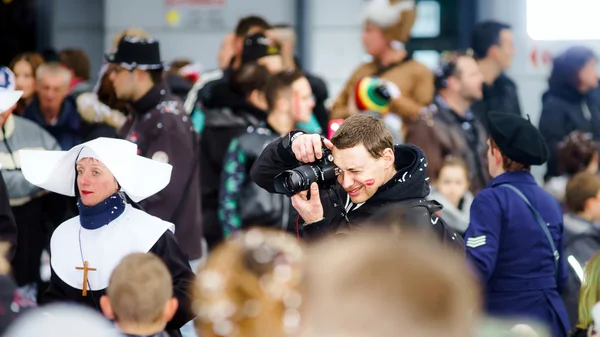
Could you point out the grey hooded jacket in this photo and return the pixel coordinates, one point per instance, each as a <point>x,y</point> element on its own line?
<point>16,134</point>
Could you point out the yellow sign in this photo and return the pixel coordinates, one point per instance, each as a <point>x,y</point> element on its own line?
<point>173,18</point>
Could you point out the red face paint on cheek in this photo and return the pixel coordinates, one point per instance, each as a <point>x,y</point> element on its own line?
<point>369,182</point>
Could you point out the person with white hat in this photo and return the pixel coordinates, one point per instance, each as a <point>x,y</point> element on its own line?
<point>28,202</point>
<point>387,27</point>
<point>108,178</point>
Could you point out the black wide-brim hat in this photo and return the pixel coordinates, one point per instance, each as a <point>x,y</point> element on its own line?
<point>135,53</point>
<point>518,139</point>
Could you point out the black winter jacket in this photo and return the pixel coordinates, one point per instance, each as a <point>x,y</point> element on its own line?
<point>408,187</point>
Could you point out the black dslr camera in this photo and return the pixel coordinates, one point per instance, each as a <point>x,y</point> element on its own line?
<point>322,171</point>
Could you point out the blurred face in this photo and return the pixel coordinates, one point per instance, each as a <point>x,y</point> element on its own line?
<point>94,181</point>
<point>505,50</point>
<point>373,40</point>
<point>124,83</point>
<point>588,76</point>
<point>273,63</point>
<point>24,78</point>
<point>52,91</point>
<point>453,183</point>
<point>470,79</point>
<point>361,174</point>
<point>303,100</point>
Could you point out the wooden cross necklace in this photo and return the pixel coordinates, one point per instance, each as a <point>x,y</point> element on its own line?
<point>85,268</point>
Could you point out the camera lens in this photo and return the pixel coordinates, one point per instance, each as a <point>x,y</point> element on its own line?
<point>293,181</point>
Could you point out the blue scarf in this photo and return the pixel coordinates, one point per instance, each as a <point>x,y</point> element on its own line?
<point>94,217</point>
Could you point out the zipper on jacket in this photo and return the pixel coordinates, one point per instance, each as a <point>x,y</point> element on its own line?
<point>130,131</point>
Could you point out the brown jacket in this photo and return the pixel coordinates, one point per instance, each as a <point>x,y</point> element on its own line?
<point>163,132</point>
<point>440,134</point>
<point>414,80</point>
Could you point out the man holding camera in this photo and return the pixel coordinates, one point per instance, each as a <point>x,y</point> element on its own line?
<point>371,173</point>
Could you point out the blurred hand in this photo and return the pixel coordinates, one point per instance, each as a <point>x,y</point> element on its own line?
<point>392,89</point>
<point>310,210</point>
<point>308,148</point>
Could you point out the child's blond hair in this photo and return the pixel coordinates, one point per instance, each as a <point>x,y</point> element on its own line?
<point>139,289</point>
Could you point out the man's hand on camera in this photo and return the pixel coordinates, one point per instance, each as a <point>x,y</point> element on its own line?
<point>310,210</point>
<point>308,148</point>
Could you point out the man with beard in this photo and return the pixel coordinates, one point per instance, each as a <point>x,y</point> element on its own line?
<point>371,173</point>
<point>448,128</point>
<point>163,132</point>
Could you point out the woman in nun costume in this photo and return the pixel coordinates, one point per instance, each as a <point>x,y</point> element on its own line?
<point>108,178</point>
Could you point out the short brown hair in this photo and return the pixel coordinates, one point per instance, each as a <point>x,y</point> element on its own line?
<point>176,66</point>
<point>426,288</point>
<point>280,84</point>
<point>76,60</point>
<point>139,288</point>
<point>454,161</point>
<point>245,24</point>
<point>363,129</point>
<point>508,164</point>
<point>575,152</point>
<point>248,78</point>
<point>582,187</point>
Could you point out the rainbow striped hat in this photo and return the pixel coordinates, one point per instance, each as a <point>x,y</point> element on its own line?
<point>371,94</point>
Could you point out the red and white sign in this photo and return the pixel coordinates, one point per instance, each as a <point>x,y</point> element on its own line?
<point>540,58</point>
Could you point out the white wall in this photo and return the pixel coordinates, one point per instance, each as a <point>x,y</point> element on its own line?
<point>79,24</point>
<point>194,41</point>
<point>336,49</point>
<point>531,81</point>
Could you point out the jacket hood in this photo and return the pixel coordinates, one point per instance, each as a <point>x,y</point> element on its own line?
<point>410,182</point>
<point>565,72</point>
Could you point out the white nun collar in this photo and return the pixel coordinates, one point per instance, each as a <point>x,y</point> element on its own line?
<point>54,171</point>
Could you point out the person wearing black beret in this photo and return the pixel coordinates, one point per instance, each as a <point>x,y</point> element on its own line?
<point>515,235</point>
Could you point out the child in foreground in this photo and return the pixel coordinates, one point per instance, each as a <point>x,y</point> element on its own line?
<point>139,297</point>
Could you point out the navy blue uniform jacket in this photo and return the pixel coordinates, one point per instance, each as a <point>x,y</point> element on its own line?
<point>513,256</point>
